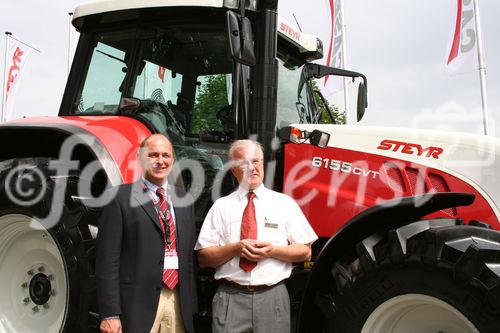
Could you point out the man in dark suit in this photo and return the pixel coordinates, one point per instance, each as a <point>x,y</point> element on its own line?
<point>145,266</point>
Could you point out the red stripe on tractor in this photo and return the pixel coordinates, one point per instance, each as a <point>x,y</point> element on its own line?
<point>456,37</point>
<point>328,60</point>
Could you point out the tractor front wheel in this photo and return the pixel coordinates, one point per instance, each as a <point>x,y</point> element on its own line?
<point>33,280</point>
<point>443,279</point>
<point>46,260</point>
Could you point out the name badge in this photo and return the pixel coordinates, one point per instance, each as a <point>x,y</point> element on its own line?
<point>171,260</point>
<point>271,225</point>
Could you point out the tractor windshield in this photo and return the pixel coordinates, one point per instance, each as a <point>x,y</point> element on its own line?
<point>180,73</point>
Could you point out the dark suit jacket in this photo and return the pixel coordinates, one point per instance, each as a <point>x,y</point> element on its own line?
<point>129,263</point>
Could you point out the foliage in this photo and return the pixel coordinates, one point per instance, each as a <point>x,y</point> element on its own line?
<point>212,97</point>
<point>338,116</point>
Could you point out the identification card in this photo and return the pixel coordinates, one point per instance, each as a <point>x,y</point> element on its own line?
<point>171,261</point>
<point>271,225</point>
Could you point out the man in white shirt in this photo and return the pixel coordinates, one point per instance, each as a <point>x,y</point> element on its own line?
<point>252,237</point>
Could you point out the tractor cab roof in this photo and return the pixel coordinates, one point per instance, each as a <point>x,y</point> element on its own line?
<point>108,6</point>
<point>303,47</point>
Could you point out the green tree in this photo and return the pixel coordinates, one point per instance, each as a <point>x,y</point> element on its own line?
<point>338,116</point>
<point>212,97</point>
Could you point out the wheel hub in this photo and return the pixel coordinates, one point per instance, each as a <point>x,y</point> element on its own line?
<point>40,289</point>
<point>414,313</point>
<point>33,279</point>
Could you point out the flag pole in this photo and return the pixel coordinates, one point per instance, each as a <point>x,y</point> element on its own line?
<point>344,62</point>
<point>4,87</point>
<point>70,15</point>
<point>482,67</point>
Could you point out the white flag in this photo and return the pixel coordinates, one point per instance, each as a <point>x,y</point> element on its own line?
<point>462,44</point>
<point>333,84</point>
<point>16,59</point>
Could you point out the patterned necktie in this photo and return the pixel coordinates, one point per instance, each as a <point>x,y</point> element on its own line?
<point>170,276</point>
<point>248,230</point>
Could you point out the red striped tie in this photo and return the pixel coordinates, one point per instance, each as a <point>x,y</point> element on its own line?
<point>248,230</point>
<point>170,276</point>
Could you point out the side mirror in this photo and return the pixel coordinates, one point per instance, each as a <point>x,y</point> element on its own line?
<point>316,71</point>
<point>240,38</point>
<point>362,101</point>
<point>319,138</point>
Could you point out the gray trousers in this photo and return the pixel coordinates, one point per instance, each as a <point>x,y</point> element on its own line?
<point>236,311</point>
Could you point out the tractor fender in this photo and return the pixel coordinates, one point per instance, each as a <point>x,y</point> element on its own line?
<point>111,140</point>
<point>381,218</point>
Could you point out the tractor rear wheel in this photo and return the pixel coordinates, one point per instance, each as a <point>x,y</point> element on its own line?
<point>441,279</point>
<point>46,269</point>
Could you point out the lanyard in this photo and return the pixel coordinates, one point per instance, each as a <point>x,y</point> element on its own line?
<point>164,221</point>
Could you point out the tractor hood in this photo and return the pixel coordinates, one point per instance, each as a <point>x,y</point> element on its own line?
<point>473,158</point>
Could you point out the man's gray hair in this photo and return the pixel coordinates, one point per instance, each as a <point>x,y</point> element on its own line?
<point>243,144</point>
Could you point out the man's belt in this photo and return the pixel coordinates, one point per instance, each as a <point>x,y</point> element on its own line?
<point>235,285</point>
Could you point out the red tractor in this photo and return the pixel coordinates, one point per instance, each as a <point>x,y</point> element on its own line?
<point>408,220</point>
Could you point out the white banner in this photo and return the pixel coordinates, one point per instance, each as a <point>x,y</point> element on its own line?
<point>17,55</point>
<point>334,58</point>
<point>462,43</point>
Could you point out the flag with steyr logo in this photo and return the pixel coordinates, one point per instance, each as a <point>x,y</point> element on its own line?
<point>17,55</point>
<point>462,44</point>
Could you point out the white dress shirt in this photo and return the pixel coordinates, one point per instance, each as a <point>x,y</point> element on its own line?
<point>279,221</point>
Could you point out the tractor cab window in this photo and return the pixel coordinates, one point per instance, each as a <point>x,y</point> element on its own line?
<point>213,119</point>
<point>300,100</point>
<point>182,71</point>
<point>158,90</point>
<point>102,90</point>
<point>292,104</point>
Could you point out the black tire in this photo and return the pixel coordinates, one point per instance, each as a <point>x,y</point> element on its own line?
<point>65,263</point>
<point>455,264</point>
